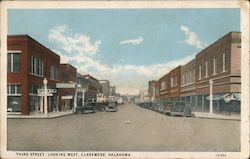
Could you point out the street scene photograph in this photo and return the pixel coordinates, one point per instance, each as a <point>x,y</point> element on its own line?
<point>124,80</point>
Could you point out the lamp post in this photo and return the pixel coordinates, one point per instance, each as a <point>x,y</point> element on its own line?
<point>211,97</point>
<point>45,82</point>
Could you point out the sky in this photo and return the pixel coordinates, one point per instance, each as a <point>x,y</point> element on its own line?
<point>128,47</point>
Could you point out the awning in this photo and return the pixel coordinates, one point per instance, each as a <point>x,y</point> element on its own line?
<point>67,97</point>
<point>65,85</point>
<point>216,96</point>
<point>226,97</point>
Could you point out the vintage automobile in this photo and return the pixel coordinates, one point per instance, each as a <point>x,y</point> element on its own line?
<point>112,107</point>
<point>87,108</point>
<point>181,109</point>
<point>167,108</point>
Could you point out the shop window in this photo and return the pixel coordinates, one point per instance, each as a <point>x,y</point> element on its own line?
<point>14,97</point>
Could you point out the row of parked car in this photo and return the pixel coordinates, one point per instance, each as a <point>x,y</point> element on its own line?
<point>172,108</point>
<point>92,107</point>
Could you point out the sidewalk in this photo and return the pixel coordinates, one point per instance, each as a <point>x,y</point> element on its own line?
<point>40,116</point>
<point>216,116</point>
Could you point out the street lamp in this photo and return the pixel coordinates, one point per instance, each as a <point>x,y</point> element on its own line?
<point>45,82</point>
<point>211,97</point>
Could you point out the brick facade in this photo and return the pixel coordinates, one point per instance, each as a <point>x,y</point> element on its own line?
<point>30,52</point>
<point>225,51</point>
<point>219,62</point>
<point>164,86</point>
<point>188,86</point>
<point>67,74</point>
<point>174,91</point>
<point>151,89</point>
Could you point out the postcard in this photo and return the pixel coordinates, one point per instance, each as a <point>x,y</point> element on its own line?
<point>124,79</point>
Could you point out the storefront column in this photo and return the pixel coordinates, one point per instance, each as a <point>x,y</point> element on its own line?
<point>41,104</point>
<point>202,102</point>
<point>196,101</point>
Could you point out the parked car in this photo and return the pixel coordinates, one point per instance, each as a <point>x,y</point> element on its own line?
<point>167,108</point>
<point>112,107</point>
<point>87,108</point>
<point>160,108</point>
<point>154,106</point>
<point>181,109</point>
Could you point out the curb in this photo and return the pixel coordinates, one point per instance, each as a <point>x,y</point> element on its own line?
<point>216,118</point>
<point>41,117</point>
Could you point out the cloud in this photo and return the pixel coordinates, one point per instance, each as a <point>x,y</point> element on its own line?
<point>191,38</point>
<point>77,43</point>
<point>127,78</point>
<point>136,41</point>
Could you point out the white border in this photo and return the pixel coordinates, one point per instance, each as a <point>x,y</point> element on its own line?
<point>244,5</point>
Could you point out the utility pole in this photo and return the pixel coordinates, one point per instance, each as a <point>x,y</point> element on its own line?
<point>45,82</point>
<point>211,96</point>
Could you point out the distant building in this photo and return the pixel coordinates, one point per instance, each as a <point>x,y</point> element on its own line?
<point>105,87</point>
<point>164,87</point>
<point>157,90</point>
<point>151,90</point>
<point>91,86</point>
<point>67,87</point>
<point>112,91</point>
<point>144,95</point>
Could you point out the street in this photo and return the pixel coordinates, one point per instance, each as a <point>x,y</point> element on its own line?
<point>132,128</point>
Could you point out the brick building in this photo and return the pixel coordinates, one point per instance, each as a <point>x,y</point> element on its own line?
<point>67,87</point>
<point>219,62</point>
<point>90,86</point>
<point>157,90</point>
<point>93,87</point>
<point>151,90</point>
<point>105,87</point>
<point>164,85</point>
<point>112,91</point>
<point>28,63</point>
<point>188,85</point>
<point>144,96</point>
<point>175,84</point>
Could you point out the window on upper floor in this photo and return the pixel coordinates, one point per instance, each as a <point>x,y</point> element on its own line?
<point>186,74</point>
<point>194,75</point>
<point>199,72</point>
<point>173,81</point>
<point>214,66</point>
<point>183,80</point>
<point>36,66</point>
<point>190,76</point>
<point>53,72</point>
<point>224,62</point>
<point>206,69</point>
<point>14,89</point>
<point>163,84</point>
<point>13,62</point>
